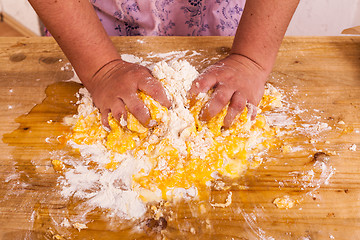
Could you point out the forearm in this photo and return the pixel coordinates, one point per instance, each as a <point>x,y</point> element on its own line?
<point>78,31</point>
<point>261,30</point>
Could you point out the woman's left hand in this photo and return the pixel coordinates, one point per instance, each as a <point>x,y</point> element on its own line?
<point>236,80</point>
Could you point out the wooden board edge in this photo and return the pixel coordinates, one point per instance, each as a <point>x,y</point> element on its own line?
<point>12,22</point>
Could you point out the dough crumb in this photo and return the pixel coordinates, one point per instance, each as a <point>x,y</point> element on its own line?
<point>58,237</point>
<point>65,223</point>
<point>284,202</point>
<point>58,165</point>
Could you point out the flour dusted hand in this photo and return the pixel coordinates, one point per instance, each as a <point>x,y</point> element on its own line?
<point>114,89</point>
<point>235,80</point>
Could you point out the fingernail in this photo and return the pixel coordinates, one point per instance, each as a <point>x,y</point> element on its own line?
<point>106,128</point>
<point>123,122</point>
<point>225,126</point>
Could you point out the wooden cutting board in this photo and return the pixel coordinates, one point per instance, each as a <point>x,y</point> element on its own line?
<point>35,96</point>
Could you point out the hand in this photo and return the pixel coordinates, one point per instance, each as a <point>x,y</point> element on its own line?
<point>114,89</point>
<point>236,80</point>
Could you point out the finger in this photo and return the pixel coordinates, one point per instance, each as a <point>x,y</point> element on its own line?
<point>137,108</point>
<point>254,97</point>
<point>219,99</point>
<point>236,106</point>
<point>155,89</point>
<point>118,110</point>
<point>202,84</point>
<point>252,103</point>
<point>104,117</point>
<point>252,110</point>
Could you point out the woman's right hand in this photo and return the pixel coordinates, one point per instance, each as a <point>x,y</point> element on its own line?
<point>114,89</point>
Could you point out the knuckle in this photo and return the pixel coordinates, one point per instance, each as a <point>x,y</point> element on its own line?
<point>237,105</point>
<point>211,109</point>
<point>221,98</point>
<point>202,82</point>
<point>238,102</point>
<point>139,109</point>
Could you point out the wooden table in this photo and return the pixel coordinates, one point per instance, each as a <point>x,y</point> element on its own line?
<point>34,99</point>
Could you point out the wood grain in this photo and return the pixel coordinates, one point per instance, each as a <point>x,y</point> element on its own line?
<point>324,70</point>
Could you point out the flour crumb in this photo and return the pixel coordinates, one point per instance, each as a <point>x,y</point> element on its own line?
<point>65,223</point>
<point>353,147</point>
<point>80,226</point>
<point>58,237</point>
<point>323,126</point>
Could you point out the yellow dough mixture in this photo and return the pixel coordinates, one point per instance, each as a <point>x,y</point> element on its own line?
<point>181,152</point>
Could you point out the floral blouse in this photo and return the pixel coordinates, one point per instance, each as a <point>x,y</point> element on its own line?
<point>169,17</point>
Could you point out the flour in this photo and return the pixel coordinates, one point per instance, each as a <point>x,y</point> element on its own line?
<point>165,57</point>
<point>103,188</point>
<point>179,76</point>
<point>200,144</point>
<point>174,55</point>
<point>353,147</point>
<point>88,178</point>
<point>113,190</point>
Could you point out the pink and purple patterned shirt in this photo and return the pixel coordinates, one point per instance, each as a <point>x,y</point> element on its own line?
<point>169,17</point>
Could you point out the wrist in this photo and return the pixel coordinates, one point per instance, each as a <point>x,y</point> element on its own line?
<point>107,67</point>
<point>241,62</point>
<point>100,74</point>
<point>264,66</point>
<point>243,58</point>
